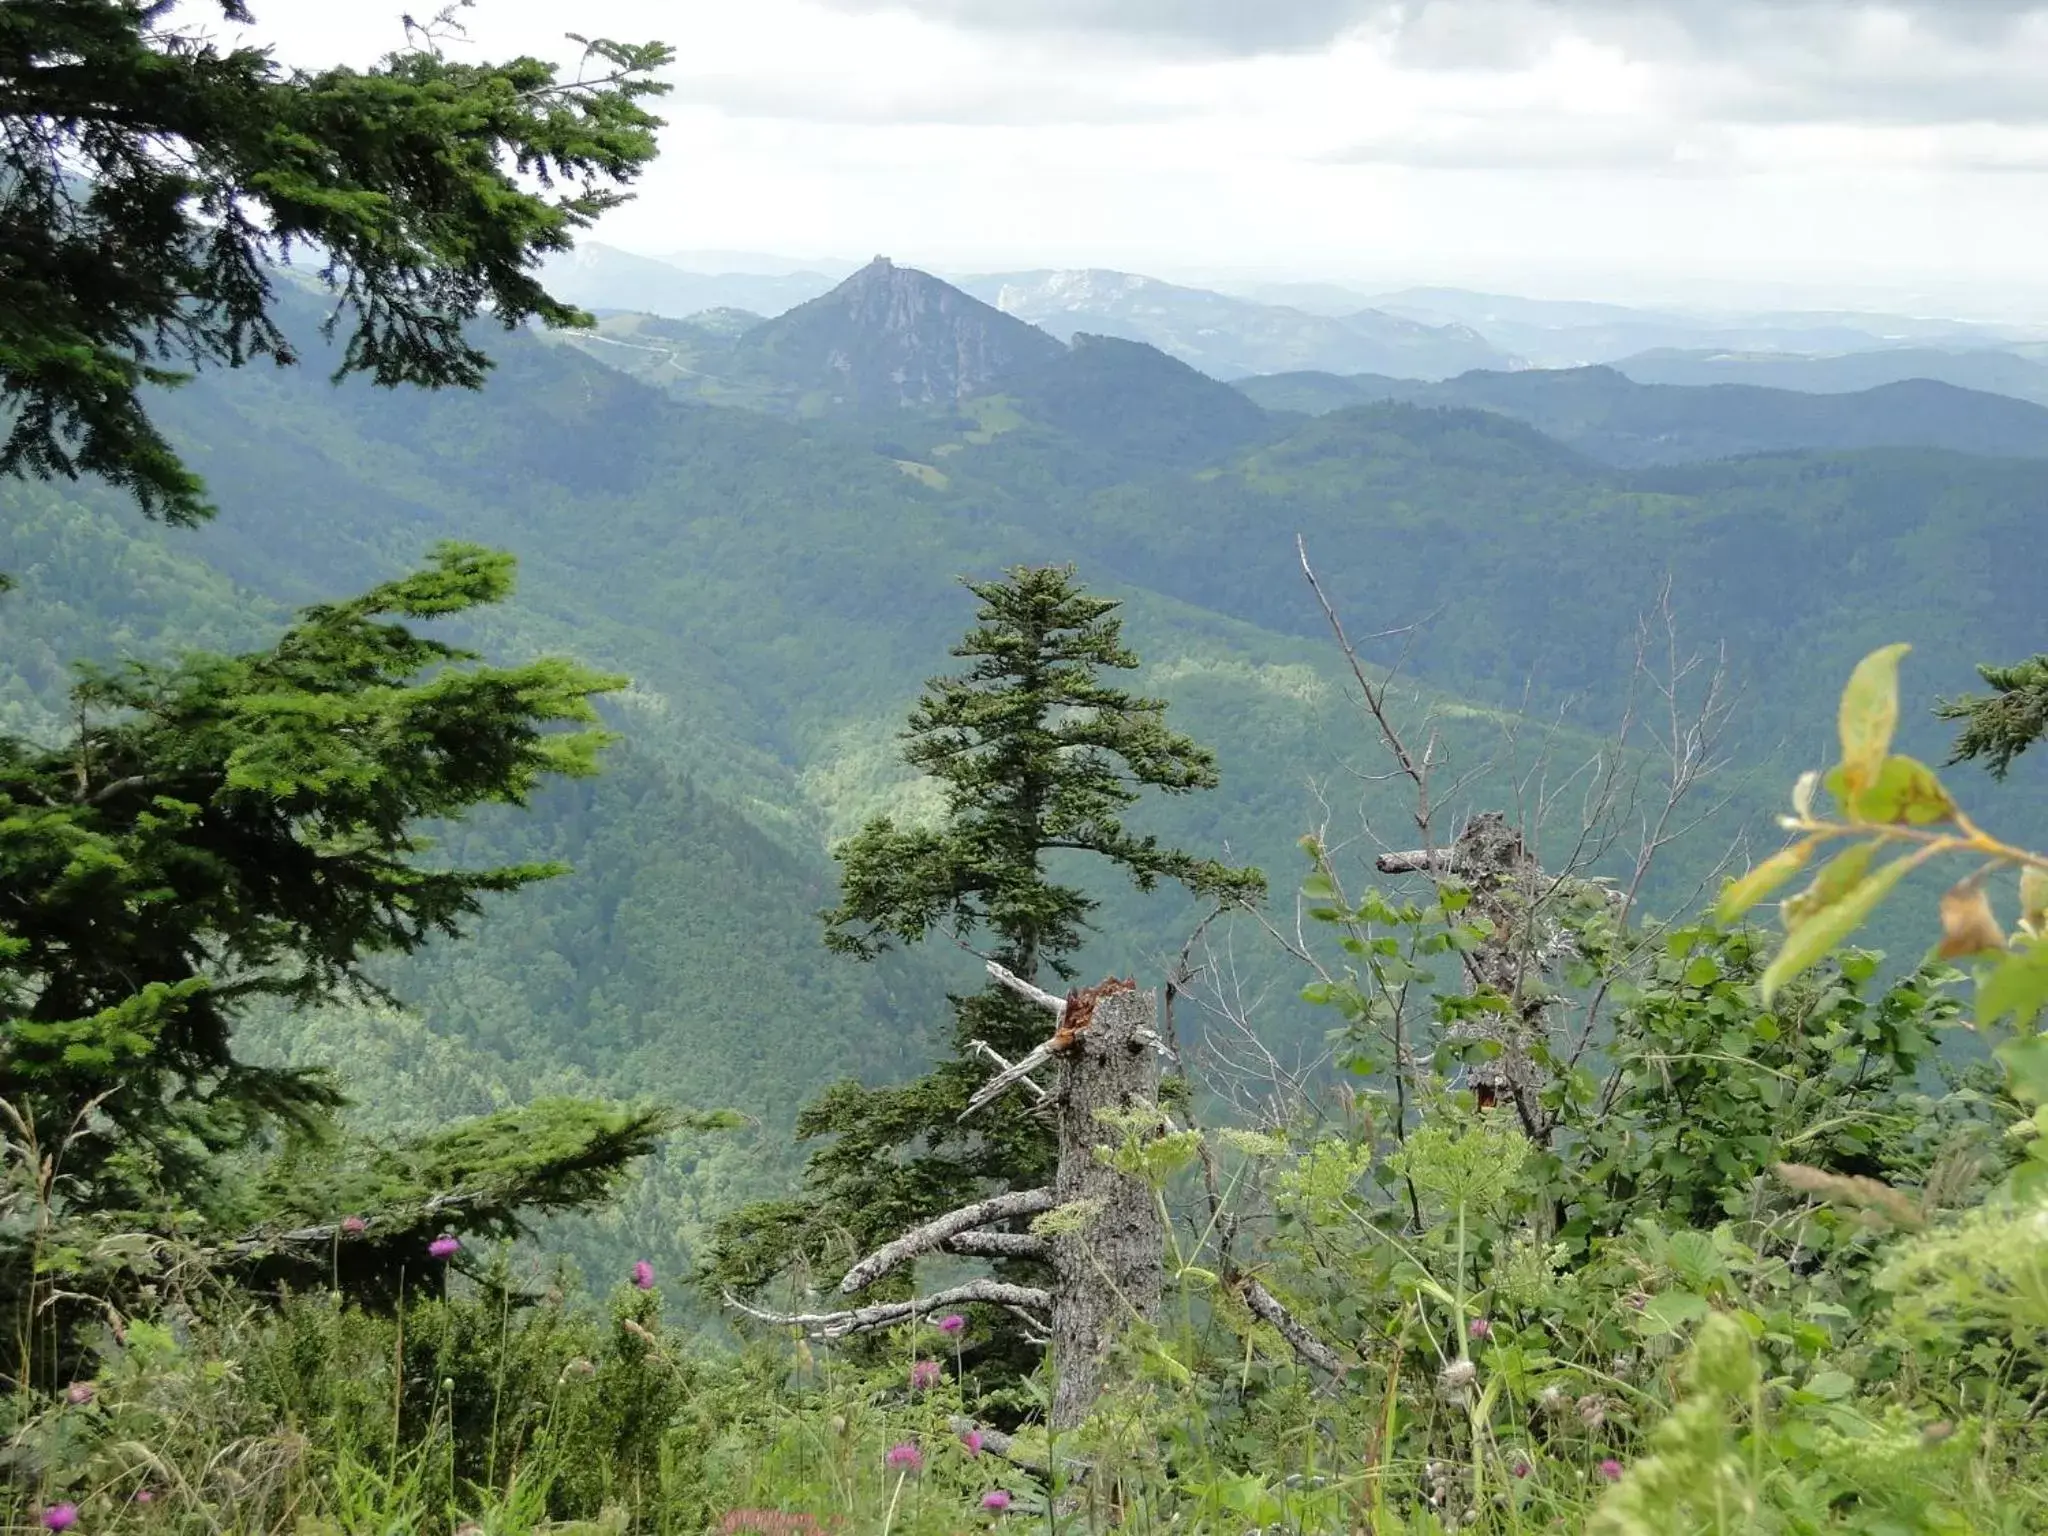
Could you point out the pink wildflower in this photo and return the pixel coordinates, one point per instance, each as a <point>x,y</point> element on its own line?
<point>444,1246</point>
<point>354,1226</point>
<point>924,1375</point>
<point>79,1393</point>
<point>60,1517</point>
<point>1479,1328</point>
<point>905,1456</point>
<point>643,1275</point>
<point>995,1499</point>
<point>1611,1470</point>
<point>952,1322</point>
<point>972,1440</point>
<point>1521,1467</point>
<point>144,1496</point>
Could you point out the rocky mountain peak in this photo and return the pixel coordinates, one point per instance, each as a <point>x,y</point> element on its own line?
<point>894,336</point>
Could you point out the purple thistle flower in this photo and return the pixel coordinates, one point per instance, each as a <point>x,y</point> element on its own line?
<point>79,1393</point>
<point>995,1499</point>
<point>444,1246</point>
<point>1521,1467</point>
<point>1611,1470</point>
<point>643,1275</point>
<point>906,1456</point>
<point>972,1440</point>
<point>924,1375</point>
<point>1479,1328</point>
<point>353,1226</point>
<point>60,1517</point>
<point>952,1322</point>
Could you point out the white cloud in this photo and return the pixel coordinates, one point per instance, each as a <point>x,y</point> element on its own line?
<point>1557,144</point>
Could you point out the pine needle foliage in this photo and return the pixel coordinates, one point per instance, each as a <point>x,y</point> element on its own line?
<point>2000,725</point>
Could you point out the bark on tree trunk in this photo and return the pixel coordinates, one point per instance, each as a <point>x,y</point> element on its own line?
<point>1114,1267</point>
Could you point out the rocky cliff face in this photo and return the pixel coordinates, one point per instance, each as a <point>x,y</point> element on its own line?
<point>892,336</point>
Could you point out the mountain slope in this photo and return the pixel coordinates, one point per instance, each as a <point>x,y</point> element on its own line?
<point>890,337</point>
<point>1605,414</point>
<point>1137,404</point>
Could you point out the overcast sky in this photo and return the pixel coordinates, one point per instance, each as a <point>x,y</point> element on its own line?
<point>1840,152</point>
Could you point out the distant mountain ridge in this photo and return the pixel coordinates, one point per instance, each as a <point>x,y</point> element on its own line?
<point>1229,337</point>
<point>1993,372</point>
<point>1605,414</point>
<point>601,277</point>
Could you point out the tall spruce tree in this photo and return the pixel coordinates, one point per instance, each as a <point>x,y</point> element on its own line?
<point>1038,756</point>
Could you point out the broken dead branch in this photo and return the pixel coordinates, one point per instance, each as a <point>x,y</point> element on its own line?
<point>1003,1064</point>
<point>998,1245</point>
<point>1005,977</point>
<point>1027,1300</point>
<point>1268,1308</point>
<point>935,1233</point>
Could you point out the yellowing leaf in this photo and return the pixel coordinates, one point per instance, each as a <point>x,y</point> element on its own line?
<point>1868,716</point>
<point>1968,925</point>
<point>1753,887</point>
<point>1825,928</point>
<point>1905,790</point>
<point>1836,879</point>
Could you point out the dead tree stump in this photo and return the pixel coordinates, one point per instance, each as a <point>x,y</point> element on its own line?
<point>1491,861</point>
<point>1108,1249</point>
<point>1112,1268</point>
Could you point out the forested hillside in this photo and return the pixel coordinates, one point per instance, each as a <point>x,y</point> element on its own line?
<point>776,592</point>
<point>553,871</point>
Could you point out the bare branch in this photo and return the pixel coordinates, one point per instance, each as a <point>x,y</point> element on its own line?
<point>1003,1064</point>
<point>1414,861</point>
<point>997,1245</point>
<point>934,1233</point>
<point>996,1443</point>
<point>1003,976</point>
<point>1027,1299</point>
<point>1021,1072</point>
<point>1375,698</point>
<point>1266,1306</point>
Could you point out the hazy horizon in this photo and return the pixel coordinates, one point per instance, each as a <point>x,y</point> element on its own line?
<point>1673,294</point>
<point>1813,154</point>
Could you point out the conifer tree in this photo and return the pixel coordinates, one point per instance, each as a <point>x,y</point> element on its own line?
<point>236,827</point>
<point>1038,757</point>
<point>152,180</point>
<point>2000,725</point>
